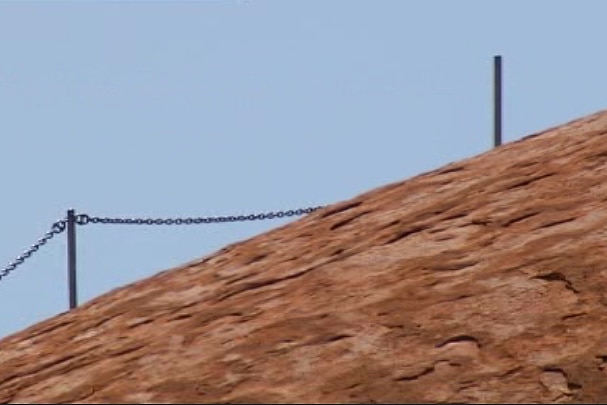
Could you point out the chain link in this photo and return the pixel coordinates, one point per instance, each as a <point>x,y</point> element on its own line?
<point>56,229</point>
<point>83,219</point>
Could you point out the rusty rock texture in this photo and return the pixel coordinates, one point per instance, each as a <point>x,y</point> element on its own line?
<point>482,281</point>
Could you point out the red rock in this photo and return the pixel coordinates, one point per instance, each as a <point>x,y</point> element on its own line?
<point>482,281</point>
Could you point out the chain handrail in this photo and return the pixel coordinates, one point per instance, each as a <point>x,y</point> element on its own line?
<point>83,219</point>
<point>57,228</point>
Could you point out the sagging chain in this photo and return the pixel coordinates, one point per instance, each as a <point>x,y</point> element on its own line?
<point>83,219</point>
<point>56,229</point>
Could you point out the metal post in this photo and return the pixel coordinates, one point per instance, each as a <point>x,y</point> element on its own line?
<point>71,258</point>
<point>497,100</point>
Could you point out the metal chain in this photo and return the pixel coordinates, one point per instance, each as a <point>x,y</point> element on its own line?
<point>83,219</point>
<point>56,229</point>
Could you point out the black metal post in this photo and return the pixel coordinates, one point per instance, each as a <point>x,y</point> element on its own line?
<point>497,100</point>
<point>71,258</point>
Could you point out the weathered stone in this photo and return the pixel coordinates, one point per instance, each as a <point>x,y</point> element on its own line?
<point>482,281</point>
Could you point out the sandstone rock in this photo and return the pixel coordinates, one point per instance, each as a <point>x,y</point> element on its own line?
<point>482,281</point>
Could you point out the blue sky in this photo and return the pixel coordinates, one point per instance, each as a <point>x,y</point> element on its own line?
<point>178,109</point>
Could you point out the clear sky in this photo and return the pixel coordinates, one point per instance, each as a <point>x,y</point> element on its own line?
<point>178,109</point>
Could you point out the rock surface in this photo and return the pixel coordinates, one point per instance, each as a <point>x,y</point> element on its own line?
<point>482,281</point>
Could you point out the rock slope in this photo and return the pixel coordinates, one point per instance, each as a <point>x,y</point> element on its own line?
<point>482,281</point>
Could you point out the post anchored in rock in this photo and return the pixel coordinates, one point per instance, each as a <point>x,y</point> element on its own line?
<point>71,258</point>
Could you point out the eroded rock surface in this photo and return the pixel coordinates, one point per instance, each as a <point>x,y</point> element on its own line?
<point>482,281</point>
